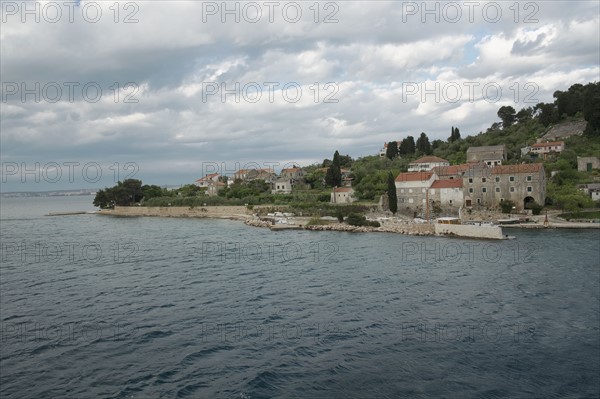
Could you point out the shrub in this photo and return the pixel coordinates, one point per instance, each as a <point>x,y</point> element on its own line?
<point>316,221</point>
<point>507,206</point>
<point>354,219</point>
<point>536,208</point>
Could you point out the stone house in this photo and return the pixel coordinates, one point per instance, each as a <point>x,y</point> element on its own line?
<point>492,155</point>
<point>447,194</point>
<point>281,186</point>
<point>411,190</point>
<point>255,174</point>
<point>213,188</point>
<point>342,195</point>
<point>207,180</point>
<point>294,173</point>
<point>487,187</point>
<point>587,164</point>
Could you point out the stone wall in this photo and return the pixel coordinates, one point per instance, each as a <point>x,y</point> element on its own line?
<point>237,212</point>
<point>463,230</point>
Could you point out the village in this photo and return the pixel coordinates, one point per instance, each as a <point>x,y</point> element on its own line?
<point>537,168</point>
<point>431,185</point>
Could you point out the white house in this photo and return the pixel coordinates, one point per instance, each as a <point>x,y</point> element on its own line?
<point>281,186</point>
<point>544,149</point>
<point>342,195</point>
<point>427,163</point>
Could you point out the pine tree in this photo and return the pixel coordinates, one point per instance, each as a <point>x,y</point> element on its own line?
<point>333,177</point>
<point>423,145</point>
<point>392,150</point>
<point>407,147</point>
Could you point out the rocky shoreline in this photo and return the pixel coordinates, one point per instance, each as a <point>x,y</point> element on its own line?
<point>398,228</point>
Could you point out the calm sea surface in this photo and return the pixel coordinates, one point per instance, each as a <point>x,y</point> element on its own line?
<point>100,307</point>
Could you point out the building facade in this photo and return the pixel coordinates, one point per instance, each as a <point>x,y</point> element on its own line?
<point>523,184</point>
<point>587,164</point>
<point>427,163</point>
<point>546,149</point>
<point>342,195</point>
<point>281,186</point>
<point>411,190</point>
<point>491,155</point>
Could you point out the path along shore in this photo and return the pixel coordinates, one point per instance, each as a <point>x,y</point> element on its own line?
<point>241,213</point>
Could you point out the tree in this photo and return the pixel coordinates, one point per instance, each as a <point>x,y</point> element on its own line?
<point>345,161</point>
<point>123,194</point>
<point>391,151</point>
<point>391,192</point>
<point>546,113</point>
<point>507,114</point>
<point>524,114</point>
<point>454,135</point>
<point>436,144</point>
<point>407,147</point>
<point>333,177</point>
<point>423,145</point>
<point>591,109</point>
<point>151,191</point>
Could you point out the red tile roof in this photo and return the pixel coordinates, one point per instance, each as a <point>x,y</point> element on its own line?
<point>207,177</point>
<point>520,168</point>
<point>342,190</point>
<point>453,170</point>
<point>290,170</point>
<point>447,183</point>
<point>414,176</point>
<point>549,144</point>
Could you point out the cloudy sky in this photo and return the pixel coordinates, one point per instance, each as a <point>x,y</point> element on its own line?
<point>165,91</point>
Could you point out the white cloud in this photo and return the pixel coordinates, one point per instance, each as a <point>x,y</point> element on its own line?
<point>369,56</point>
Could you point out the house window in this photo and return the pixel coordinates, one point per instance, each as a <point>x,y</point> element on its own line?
<point>410,200</point>
<point>512,189</point>
<point>471,190</point>
<point>402,191</point>
<point>483,180</point>
<point>497,179</point>
<point>501,199</point>
<point>478,201</point>
<point>529,178</point>
<point>497,189</point>
<point>470,180</point>
<point>410,190</point>
<point>529,189</point>
<point>450,202</point>
<point>512,178</point>
<point>484,189</point>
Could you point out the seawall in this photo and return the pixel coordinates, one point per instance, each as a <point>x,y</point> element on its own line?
<point>465,230</point>
<point>222,212</point>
